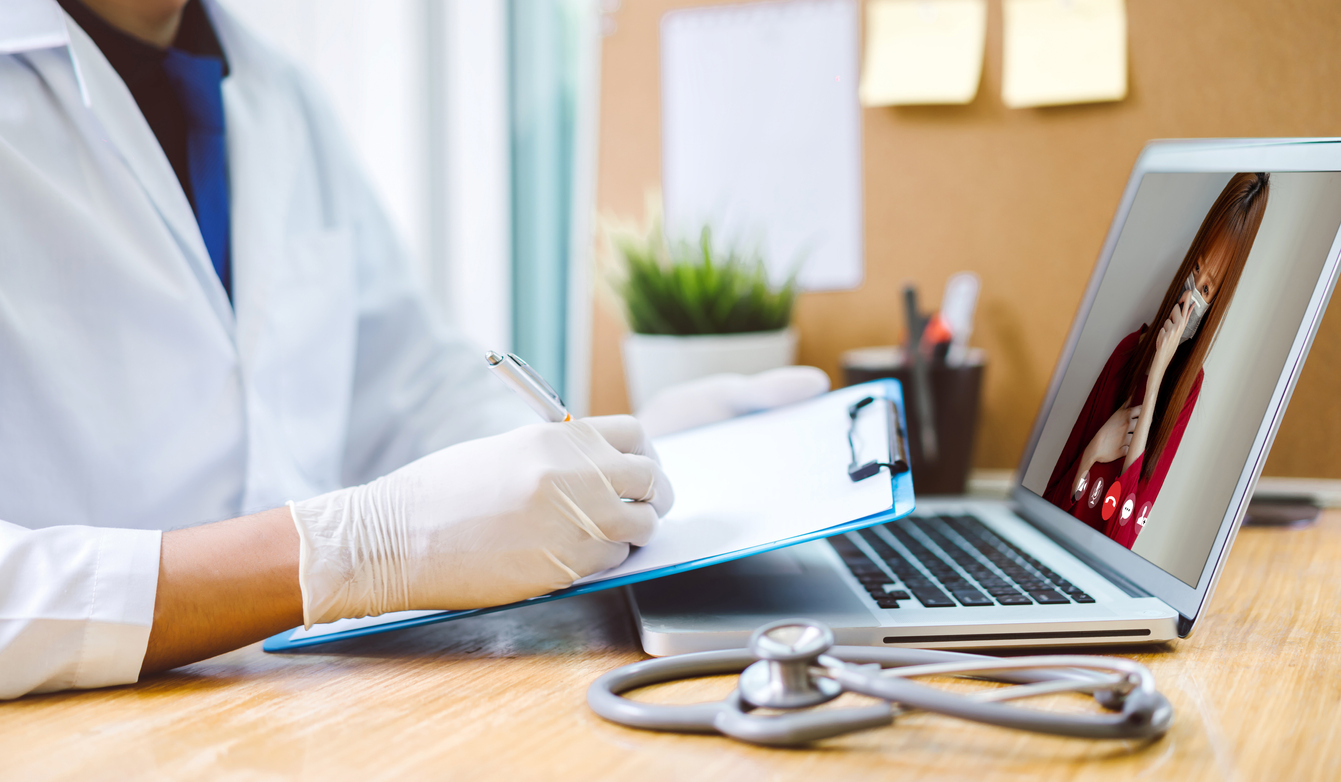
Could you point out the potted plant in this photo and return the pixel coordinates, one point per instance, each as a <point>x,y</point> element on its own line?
<point>693,312</point>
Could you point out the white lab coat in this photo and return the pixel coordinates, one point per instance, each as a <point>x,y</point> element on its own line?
<point>133,397</point>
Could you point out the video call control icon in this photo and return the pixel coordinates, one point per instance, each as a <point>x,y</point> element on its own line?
<point>1111,501</point>
<point>1127,507</point>
<point>1096,492</point>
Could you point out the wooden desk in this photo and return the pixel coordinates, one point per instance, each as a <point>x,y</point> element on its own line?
<point>1257,691</point>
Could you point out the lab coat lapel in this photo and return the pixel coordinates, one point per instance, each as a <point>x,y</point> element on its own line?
<point>130,135</point>
<point>262,179</point>
<point>295,333</point>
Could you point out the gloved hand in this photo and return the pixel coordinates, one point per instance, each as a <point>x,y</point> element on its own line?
<point>718,397</point>
<point>482,523</point>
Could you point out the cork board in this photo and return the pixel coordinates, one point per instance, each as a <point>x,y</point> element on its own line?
<point>1022,197</point>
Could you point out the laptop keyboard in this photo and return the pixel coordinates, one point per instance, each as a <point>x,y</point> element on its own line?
<point>955,560</point>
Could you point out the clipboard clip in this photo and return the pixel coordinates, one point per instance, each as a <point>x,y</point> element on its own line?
<point>897,458</point>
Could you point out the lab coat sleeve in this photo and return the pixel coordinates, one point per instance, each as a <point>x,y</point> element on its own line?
<point>76,606</point>
<point>418,384</point>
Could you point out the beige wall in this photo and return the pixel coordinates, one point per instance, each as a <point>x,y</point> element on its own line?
<point>1022,197</point>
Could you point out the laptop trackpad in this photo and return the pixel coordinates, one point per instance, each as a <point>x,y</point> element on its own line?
<point>748,592</point>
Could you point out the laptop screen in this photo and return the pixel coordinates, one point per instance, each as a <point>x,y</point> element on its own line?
<point>1179,355</point>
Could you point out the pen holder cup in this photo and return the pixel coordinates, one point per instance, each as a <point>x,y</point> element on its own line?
<point>955,392</point>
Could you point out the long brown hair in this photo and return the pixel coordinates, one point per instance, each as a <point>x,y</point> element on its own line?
<point>1229,229</point>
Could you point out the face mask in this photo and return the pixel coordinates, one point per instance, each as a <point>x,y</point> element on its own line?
<point>1198,305</point>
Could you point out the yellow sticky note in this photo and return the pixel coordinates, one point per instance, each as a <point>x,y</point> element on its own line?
<point>923,51</point>
<point>1064,51</point>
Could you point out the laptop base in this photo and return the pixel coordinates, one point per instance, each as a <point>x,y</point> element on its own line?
<point>719,607</point>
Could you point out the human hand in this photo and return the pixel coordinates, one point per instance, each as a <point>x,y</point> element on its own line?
<point>483,523</point>
<point>719,397</point>
<point>1113,439</point>
<point>1167,341</point>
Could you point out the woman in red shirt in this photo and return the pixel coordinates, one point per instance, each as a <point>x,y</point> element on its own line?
<point>1110,471</point>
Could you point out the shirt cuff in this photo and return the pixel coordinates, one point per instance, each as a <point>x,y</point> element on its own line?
<point>121,612</point>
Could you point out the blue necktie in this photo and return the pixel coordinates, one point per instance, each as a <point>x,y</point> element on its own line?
<point>198,83</point>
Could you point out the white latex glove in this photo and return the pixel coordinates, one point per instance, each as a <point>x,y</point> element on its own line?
<point>483,523</point>
<point>719,397</point>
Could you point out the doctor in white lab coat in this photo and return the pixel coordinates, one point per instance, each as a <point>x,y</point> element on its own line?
<point>136,396</point>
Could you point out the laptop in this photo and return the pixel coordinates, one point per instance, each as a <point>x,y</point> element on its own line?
<point>1074,556</point>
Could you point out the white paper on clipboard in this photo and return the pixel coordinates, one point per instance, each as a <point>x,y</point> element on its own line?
<point>760,478</point>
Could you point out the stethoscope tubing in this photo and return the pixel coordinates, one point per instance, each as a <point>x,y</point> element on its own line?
<point>1145,713</point>
<point>604,696</point>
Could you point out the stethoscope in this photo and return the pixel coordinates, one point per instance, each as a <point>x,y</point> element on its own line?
<point>793,665</point>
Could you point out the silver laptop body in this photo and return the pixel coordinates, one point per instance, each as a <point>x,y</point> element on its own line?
<point>1155,591</point>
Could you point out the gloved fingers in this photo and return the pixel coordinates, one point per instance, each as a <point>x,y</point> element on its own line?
<point>690,404</point>
<point>626,522</point>
<point>603,557</point>
<point>631,476</point>
<point>610,555</point>
<point>778,387</point>
<point>625,433</point>
<point>719,397</point>
<point>640,479</point>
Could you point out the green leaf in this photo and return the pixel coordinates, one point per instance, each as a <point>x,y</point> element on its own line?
<point>686,288</point>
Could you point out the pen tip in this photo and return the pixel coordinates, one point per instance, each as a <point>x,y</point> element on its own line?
<point>493,358</point>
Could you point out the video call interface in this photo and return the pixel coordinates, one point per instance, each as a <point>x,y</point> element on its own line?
<point>1180,355</point>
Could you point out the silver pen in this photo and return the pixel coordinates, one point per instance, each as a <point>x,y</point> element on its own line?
<point>534,391</point>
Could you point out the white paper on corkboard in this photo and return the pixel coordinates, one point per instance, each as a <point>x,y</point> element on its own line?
<point>761,134</point>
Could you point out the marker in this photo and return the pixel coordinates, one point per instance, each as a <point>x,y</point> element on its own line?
<point>957,305</point>
<point>529,385</point>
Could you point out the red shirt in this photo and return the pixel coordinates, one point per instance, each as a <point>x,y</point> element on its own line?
<point>1114,502</point>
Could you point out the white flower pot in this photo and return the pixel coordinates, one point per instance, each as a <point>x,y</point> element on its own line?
<point>653,362</point>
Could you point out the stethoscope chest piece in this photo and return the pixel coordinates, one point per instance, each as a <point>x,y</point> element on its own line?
<point>781,678</point>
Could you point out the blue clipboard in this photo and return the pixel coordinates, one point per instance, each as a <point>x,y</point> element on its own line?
<point>901,481</point>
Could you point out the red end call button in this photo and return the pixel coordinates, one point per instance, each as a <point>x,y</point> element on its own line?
<point>1111,501</point>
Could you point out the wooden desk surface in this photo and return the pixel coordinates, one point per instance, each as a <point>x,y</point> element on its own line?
<point>1257,692</point>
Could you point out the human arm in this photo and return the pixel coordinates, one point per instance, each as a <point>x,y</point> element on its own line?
<point>1110,443</point>
<point>483,523</point>
<point>1147,491</point>
<point>1104,396</point>
<point>1166,344</point>
<point>222,586</point>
